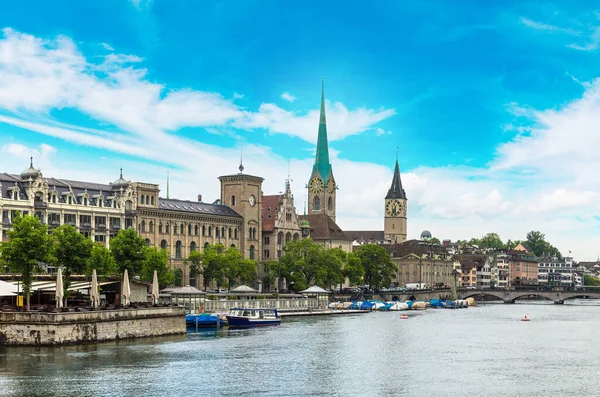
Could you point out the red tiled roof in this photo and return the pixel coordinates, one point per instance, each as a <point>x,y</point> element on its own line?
<point>270,206</point>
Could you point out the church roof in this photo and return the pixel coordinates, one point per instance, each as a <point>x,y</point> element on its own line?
<point>322,227</point>
<point>270,204</point>
<point>416,247</point>
<point>366,236</point>
<point>396,191</point>
<point>322,165</point>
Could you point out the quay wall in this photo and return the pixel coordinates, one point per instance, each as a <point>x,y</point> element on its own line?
<point>283,305</point>
<point>31,328</point>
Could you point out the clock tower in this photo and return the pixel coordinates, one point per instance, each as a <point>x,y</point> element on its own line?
<point>395,210</point>
<point>321,186</point>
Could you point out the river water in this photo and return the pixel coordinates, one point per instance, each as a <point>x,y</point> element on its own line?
<point>482,351</point>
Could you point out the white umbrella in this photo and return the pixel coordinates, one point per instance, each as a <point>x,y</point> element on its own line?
<point>94,295</point>
<point>60,293</point>
<point>155,290</point>
<point>7,289</point>
<point>126,290</point>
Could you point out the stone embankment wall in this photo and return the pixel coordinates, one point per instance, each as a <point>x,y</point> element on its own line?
<point>27,328</point>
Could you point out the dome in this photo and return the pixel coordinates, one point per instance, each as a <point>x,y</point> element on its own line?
<point>30,172</point>
<point>425,234</point>
<point>119,183</point>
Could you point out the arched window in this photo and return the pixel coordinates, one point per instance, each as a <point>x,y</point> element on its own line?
<point>210,231</point>
<point>147,242</point>
<point>330,204</point>
<point>192,246</point>
<point>181,229</point>
<point>189,230</point>
<point>178,249</point>
<point>196,230</point>
<point>175,228</point>
<point>223,232</point>
<point>167,228</point>
<point>143,226</point>
<point>252,252</point>
<point>232,245</point>
<point>203,230</point>
<point>206,244</point>
<point>235,231</point>
<point>229,233</point>
<point>142,199</point>
<point>232,200</point>
<point>151,227</point>
<point>152,200</point>
<point>288,237</point>
<point>296,236</point>
<point>316,203</point>
<point>85,201</point>
<point>160,227</point>
<point>279,238</point>
<point>217,232</point>
<point>163,245</point>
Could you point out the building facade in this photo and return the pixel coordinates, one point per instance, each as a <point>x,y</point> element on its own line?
<point>555,272</point>
<point>523,266</point>
<point>422,262</point>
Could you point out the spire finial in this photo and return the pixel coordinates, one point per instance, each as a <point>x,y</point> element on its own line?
<point>241,167</point>
<point>121,174</point>
<point>167,184</point>
<point>31,161</point>
<point>396,154</point>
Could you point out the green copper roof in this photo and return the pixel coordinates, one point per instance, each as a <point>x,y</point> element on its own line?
<point>322,164</point>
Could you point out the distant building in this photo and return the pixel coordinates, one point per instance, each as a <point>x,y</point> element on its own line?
<point>523,265</point>
<point>422,262</point>
<point>555,272</point>
<point>503,266</point>
<point>477,269</point>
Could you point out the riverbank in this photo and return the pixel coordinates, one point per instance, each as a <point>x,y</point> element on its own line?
<point>40,328</point>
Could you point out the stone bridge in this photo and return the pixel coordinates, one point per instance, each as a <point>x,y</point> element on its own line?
<point>510,296</point>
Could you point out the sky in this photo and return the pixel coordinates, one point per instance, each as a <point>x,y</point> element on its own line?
<point>492,107</point>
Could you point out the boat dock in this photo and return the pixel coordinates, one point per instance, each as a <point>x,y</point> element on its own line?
<point>320,313</point>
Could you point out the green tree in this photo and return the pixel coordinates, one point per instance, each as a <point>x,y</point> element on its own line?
<point>379,268</point>
<point>73,251</point>
<point>300,264</point>
<point>213,265</point>
<point>537,242</point>
<point>235,267</point>
<point>591,280</point>
<point>247,271</point>
<point>272,271</point>
<point>195,262</point>
<point>159,261</point>
<point>492,240</point>
<point>101,260</point>
<point>475,241</point>
<point>331,263</point>
<point>354,269</point>
<point>129,251</point>
<point>434,240</point>
<point>28,245</point>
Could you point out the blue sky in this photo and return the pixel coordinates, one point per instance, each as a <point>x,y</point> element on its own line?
<point>490,104</point>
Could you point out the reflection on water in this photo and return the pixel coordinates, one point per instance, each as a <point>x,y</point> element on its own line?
<point>479,351</point>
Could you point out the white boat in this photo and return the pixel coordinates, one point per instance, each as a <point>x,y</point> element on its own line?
<point>398,306</point>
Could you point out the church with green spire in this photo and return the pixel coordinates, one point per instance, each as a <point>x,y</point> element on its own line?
<point>321,186</point>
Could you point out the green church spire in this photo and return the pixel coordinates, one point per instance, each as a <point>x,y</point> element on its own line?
<point>322,164</point>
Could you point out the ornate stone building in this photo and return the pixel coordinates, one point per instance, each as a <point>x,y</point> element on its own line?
<point>99,211</point>
<point>422,262</point>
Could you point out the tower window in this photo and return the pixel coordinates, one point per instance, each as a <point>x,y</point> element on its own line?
<point>232,200</point>
<point>316,203</point>
<point>330,204</point>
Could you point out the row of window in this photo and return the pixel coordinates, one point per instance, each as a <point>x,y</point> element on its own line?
<point>191,230</point>
<point>317,204</point>
<point>193,247</point>
<point>148,200</point>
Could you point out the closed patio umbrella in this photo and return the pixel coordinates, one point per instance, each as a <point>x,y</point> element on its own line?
<point>126,290</point>
<point>7,289</point>
<point>60,293</point>
<point>155,291</point>
<point>94,294</point>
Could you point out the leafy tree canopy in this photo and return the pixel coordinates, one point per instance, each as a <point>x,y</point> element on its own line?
<point>129,251</point>
<point>379,268</point>
<point>159,261</point>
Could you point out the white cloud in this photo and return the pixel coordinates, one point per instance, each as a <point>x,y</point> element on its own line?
<point>237,96</point>
<point>544,179</point>
<point>107,47</point>
<point>380,131</point>
<point>286,96</point>
<point>546,27</point>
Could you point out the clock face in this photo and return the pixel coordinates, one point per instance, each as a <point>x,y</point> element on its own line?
<point>393,208</point>
<point>316,185</point>
<point>252,200</point>
<point>330,186</point>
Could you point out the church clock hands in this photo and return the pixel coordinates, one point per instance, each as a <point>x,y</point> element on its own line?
<point>394,208</point>
<point>330,186</point>
<point>316,185</point>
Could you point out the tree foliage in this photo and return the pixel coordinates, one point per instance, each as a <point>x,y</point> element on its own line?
<point>354,269</point>
<point>379,268</point>
<point>302,264</point>
<point>540,247</point>
<point>27,246</point>
<point>159,261</point>
<point>222,265</point>
<point>129,251</point>
<point>102,260</point>
<point>73,252</point>
<point>591,280</point>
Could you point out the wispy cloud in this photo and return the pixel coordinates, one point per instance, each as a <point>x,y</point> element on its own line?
<point>381,131</point>
<point>546,27</point>
<point>587,32</point>
<point>286,96</point>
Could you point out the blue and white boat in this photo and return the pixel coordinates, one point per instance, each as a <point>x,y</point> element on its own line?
<point>204,320</point>
<point>247,318</point>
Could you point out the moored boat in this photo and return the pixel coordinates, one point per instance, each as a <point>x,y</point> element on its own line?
<point>247,318</point>
<point>204,320</point>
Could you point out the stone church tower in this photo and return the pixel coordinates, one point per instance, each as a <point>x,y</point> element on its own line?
<point>395,210</point>
<point>243,193</point>
<point>321,185</point>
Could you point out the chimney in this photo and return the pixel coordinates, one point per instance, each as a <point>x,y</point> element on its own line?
<point>199,198</point>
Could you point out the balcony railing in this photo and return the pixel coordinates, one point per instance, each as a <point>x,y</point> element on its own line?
<point>40,204</point>
<point>130,212</point>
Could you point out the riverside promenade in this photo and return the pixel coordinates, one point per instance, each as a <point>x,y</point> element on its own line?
<point>89,326</point>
